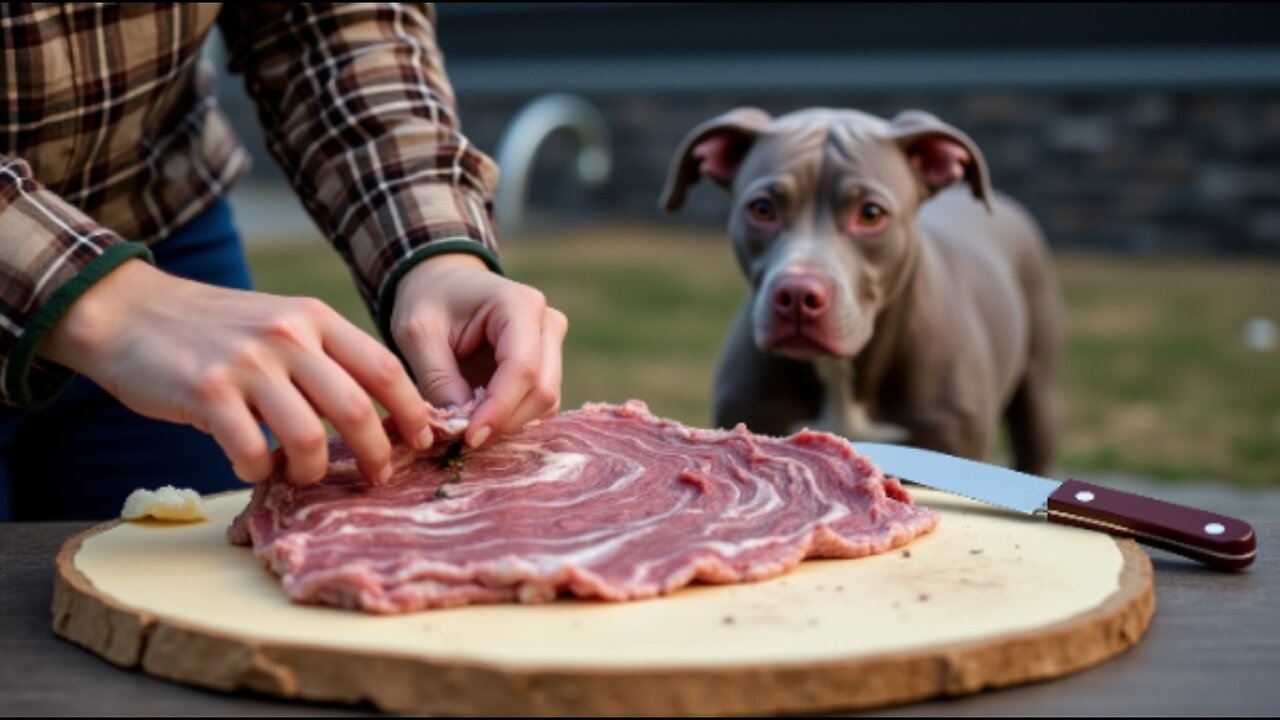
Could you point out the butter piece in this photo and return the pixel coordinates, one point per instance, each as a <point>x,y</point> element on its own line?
<point>167,503</point>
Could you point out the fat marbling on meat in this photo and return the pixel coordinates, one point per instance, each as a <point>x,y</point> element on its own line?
<point>607,502</point>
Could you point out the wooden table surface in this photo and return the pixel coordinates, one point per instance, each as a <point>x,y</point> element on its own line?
<point>1212,649</point>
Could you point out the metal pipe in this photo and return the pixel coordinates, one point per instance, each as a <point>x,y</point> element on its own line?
<point>526,134</point>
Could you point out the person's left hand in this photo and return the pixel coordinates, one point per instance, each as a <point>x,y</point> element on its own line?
<point>460,325</point>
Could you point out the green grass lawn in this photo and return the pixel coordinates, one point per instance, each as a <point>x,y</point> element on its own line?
<point>1155,377</point>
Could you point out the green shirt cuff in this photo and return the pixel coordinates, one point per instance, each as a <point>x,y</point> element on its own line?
<point>32,382</point>
<point>386,299</point>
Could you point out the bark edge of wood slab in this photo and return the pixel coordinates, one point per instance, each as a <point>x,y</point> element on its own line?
<point>182,651</point>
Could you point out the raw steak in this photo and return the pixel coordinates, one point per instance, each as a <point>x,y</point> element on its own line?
<point>606,502</point>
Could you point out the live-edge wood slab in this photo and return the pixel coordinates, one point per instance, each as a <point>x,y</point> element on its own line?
<point>990,599</point>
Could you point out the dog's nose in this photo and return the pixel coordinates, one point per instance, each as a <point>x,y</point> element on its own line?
<point>803,296</point>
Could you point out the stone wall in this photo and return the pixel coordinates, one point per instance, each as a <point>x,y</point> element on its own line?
<point>1123,127</point>
<point>1140,172</point>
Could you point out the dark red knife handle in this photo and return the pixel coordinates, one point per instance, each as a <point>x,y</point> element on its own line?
<point>1213,539</point>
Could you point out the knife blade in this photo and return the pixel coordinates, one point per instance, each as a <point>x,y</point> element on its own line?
<point>1216,540</point>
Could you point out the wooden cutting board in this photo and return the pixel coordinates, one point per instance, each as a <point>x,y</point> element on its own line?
<point>989,599</point>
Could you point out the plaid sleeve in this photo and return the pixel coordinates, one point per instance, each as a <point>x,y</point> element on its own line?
<point>50,253</point>
<point>360,115</point>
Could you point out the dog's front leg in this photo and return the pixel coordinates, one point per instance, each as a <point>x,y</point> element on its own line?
<point>769,393</point>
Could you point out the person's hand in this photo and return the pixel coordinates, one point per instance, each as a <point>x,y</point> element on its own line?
<point>459,325</point>
<point>224,360</point>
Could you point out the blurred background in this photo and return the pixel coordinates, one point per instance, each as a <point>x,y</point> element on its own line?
<point>1144,138</point>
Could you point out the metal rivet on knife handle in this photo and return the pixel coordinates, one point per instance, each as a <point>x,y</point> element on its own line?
<point>1216,540</point>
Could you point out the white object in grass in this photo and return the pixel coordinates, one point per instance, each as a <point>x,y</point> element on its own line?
<point>1260,334</point>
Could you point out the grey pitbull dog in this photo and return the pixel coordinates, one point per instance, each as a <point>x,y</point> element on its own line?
<point>883,305</point>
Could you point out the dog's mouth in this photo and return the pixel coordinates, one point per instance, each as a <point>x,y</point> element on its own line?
<point>806,341</point>
<point>795,343</point>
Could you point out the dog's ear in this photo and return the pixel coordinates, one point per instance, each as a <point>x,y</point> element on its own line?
<point>714,150</point>
<point>940,154</point>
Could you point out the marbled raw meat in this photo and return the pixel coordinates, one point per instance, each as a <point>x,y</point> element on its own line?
<point>606,502</point>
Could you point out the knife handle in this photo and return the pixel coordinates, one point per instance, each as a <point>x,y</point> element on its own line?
<point>1217,540</point>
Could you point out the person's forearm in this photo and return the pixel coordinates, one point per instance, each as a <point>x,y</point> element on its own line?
<point>77,340</point>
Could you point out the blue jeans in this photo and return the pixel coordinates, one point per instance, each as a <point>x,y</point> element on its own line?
<point>79,457</point>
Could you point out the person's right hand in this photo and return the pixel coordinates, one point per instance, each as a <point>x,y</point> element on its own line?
<point>224,360</point>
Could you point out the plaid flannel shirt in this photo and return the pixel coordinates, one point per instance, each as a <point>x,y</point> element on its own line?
<point>110,138</point>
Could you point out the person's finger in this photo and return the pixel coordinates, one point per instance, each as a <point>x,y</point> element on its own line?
<point>338,397</point>
<point>236,431</point>
<point>380,373</point>
<point>516,336</point>
<point>296,427</point>
<point>555,328</point>
<point>426,347</point>
<point>543,399</point>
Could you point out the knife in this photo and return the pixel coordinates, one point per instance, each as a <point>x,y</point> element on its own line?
<point>1216,540</point>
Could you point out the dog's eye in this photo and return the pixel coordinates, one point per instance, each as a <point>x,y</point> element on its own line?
<point>869,214</point>
<point>763,210</point>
